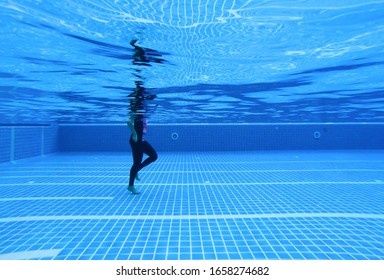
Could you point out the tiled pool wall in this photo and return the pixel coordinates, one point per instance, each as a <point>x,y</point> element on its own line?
<point>221,137</point>
<point>17,142</point>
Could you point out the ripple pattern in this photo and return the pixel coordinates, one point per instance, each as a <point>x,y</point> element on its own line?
<point>252,61</point>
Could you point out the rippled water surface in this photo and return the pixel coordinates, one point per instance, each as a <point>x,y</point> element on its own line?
<point>205,61</point>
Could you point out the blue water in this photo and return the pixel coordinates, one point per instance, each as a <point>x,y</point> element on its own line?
<point>223,61</point>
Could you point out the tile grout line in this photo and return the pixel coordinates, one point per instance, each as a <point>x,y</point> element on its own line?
<point>194,217</point>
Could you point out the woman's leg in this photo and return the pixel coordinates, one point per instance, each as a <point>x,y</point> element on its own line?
<point>152,156</point>
<point>137,155</point>
<point>150,151</point>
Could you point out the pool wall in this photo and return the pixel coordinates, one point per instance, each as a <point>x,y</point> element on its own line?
<point>18,142</point>
<point>221,137</point>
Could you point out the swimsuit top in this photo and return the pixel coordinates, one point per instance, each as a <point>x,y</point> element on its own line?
<point>140,126</point>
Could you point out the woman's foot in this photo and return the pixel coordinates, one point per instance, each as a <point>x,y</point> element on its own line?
<point>133,190</point>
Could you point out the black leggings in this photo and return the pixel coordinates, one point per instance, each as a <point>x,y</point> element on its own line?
<point>140,148</point>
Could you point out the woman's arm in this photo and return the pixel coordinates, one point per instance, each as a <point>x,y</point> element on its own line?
<point>131,125</point>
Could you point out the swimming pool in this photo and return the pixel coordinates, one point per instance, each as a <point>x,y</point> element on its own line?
<point>267,118</point>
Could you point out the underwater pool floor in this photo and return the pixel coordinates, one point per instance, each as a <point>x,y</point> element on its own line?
<point>195,206</point>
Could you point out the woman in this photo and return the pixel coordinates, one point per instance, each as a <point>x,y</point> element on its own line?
<point>137,123</point>
<point>138,126</point>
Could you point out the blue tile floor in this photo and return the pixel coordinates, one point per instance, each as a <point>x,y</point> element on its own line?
<point>199,205</point>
